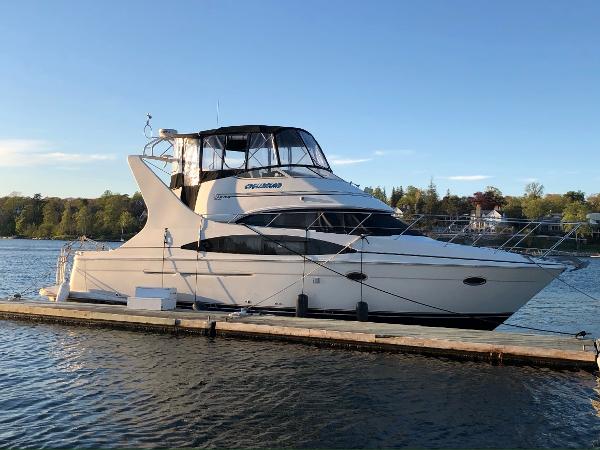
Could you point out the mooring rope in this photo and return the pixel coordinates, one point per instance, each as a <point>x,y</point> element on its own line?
<point>68,248</point>
<point>557,277</point>
<point>162,271</point>
<point>195,305</point>
<point>576,335</point>
<point>32,287</point>
<point>305,275</point>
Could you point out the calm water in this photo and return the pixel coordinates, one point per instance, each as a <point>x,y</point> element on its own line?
<point>65,386</point>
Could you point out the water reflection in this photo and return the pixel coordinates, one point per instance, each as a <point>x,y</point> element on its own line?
<point>97,387</point>
<point>90,387</point>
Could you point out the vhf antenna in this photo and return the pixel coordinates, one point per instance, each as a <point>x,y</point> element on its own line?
<point>148,127</point>
<point>217,113</point>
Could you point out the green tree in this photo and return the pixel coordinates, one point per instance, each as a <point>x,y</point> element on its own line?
<point>377,192</point>
<point>397,194</point>
<point>112,205</point>
<point>10,207</point>
<point>576,212</point>
<point>556,203</point>
<point>137,208</point>
<point>594,202</point>
<point>412,201</point>
<point>83,220</point>
<point>534,190</point>
<point>575,196</point>
<point>513,208</point>
<point>453,205</point>
<point>431,199</point>
<point>51,215</point>
<point>534,207</point>
<point>37,204</point>
<point>24,225</point>
<point>126,222</point>
<point>66,227</point>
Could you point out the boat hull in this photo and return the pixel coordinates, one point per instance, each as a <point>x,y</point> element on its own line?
<point>396,292</point>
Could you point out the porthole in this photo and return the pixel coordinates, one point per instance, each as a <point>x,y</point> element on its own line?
<point>356,276</point>
<point>474,281</point>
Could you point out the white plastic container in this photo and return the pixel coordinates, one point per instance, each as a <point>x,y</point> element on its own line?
<point>154,292</point>
<point>151,303</point>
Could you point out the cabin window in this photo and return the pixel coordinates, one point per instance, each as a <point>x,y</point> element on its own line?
<point>354,222</point>
<point>261,173</point>
<point>235,151</point>
<point>315,151</point>
<point>261,151</point>
<point>191,163</point>
<point>291,149</point>
<point>212,152</point>
<point>271,245</point>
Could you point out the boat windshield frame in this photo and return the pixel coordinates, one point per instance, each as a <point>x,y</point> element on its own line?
<point>271,135</point>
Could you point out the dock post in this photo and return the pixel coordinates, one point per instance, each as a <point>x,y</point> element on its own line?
<point>212,328</point>
<point>302,305</point>
<point>362,311</point>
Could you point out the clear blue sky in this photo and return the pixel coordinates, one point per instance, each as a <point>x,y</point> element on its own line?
<point>471,93</point>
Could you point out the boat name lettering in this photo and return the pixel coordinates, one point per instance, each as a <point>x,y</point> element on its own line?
<point>263,186</point>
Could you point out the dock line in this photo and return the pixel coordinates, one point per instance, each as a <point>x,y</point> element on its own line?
<point>489,346</point>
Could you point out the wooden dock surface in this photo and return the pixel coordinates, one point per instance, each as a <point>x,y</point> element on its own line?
<point>495,347</point>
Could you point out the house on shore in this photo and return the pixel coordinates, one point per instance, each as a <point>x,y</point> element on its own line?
<point>482,220</point>
<point>551,225</point>
<point>594,220</point>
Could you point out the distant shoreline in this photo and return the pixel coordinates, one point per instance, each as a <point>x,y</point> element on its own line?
<point>65,238</point>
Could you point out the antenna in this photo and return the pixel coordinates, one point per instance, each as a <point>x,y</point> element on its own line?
<point>148,127</point>
<point>217,113</point>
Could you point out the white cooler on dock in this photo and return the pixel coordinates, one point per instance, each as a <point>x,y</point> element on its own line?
<point>153,299</point>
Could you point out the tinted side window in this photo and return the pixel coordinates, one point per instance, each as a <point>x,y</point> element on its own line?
<point>258,220</point>
<point>271,245</point>
<point>355,223</point>
<point>384,225</point>
<point>294,220</point>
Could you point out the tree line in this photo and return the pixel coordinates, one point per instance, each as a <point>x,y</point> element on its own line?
<point>573,206</point>
<point>112,216</point>
<point>115,216</point>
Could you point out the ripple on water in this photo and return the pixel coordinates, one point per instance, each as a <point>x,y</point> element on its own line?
<point>64,386</point>
<point>87,387</point>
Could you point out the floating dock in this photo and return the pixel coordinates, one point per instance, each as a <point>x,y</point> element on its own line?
<point>491,346</point>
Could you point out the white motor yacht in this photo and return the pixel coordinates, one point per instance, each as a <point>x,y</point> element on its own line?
<point>253,216</point>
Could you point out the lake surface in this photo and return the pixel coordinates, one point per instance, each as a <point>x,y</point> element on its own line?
<point>67,386</point>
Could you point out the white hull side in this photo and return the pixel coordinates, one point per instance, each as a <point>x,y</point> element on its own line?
<point>236,280</point>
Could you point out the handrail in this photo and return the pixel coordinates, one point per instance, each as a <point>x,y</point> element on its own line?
<point>409,227</point>
<point>574,229</point>
<point>444,228</point>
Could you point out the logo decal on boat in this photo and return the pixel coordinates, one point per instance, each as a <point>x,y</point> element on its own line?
<point>263,186</point>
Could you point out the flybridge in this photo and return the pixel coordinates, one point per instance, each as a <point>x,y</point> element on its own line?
<point>253,151</point>
<point>222,152</point>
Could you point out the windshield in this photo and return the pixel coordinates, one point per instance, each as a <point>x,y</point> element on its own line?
<point>299,148</point>
<point>220,155</point>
